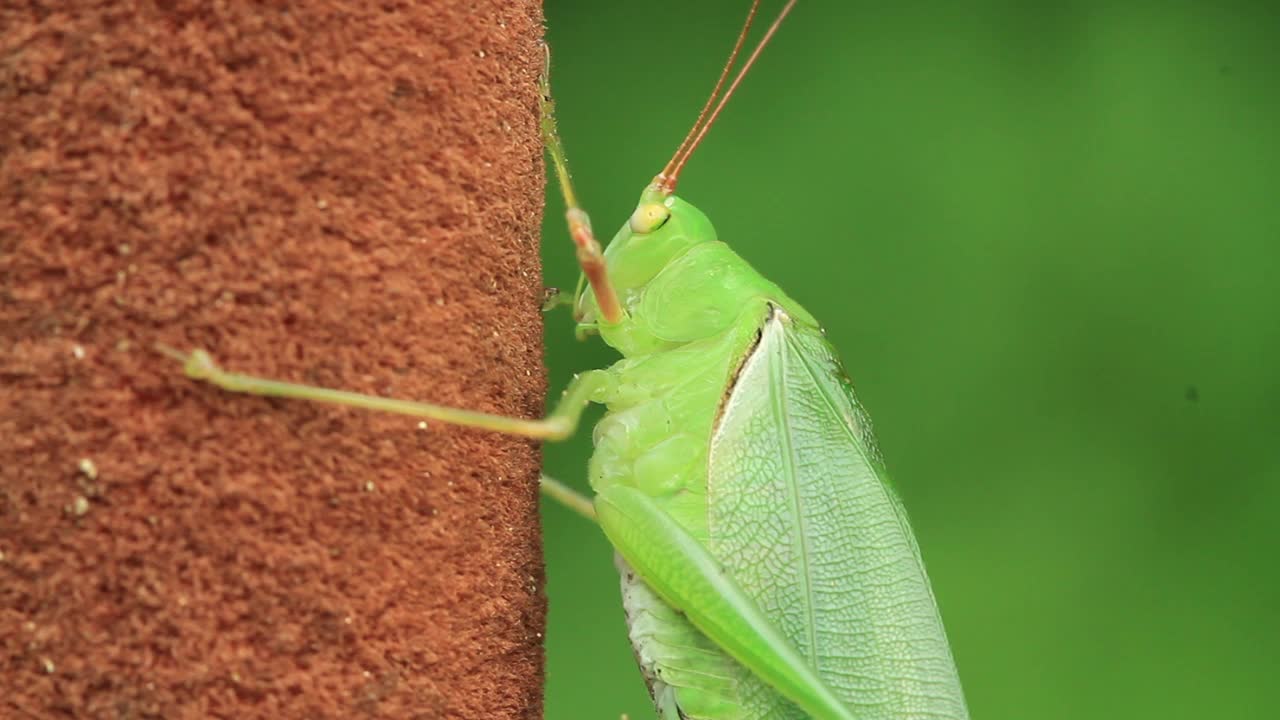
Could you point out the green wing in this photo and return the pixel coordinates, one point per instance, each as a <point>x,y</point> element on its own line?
<point>801,517</point>
<point>680,571</point>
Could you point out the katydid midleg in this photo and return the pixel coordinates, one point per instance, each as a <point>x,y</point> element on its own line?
<point>768,568</point>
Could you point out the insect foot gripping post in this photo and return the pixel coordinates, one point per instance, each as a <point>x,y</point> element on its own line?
<point>768,568</point>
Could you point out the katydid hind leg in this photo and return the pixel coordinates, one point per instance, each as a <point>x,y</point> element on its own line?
<point>561,423</point>
<point>682,572</point>
<point>567,497</point>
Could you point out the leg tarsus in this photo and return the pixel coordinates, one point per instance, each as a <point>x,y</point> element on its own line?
<point>553,298</point>
<point>197,364</point>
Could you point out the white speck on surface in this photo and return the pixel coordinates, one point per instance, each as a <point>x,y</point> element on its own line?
<point>322,204</point>
<point>47,665</point>
<point>481,53</point>
<point>77,351</point>
<point>80,506</point>
<point>87,468</point>
<point>422,424</point>
<point>369,486</point>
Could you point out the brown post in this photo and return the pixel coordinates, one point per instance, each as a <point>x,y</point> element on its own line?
<point>348,195</point>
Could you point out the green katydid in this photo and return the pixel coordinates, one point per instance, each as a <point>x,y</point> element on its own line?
<point>768,568</point>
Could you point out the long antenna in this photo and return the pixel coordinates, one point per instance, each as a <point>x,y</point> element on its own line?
<point>724,75</point>
<point>669,179</point>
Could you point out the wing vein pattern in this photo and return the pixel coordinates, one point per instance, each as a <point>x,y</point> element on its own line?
<point>798,524</point>
<point>802,517</point>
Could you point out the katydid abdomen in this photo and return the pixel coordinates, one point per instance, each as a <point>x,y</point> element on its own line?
<point>730,411</point>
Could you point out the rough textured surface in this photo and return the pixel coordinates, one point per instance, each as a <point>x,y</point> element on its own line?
<point>345,194</point>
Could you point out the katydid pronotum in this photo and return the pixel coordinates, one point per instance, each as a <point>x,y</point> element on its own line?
<point>768,568</point>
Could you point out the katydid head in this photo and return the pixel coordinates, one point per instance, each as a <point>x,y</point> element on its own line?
<point>663,227</point>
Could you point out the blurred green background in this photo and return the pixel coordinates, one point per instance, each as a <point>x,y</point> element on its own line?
<point>1046,241</point>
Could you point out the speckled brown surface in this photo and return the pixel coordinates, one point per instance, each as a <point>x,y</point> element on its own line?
<point>346,194</point>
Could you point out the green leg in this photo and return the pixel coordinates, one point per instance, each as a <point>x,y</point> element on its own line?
<point>560,424</point>
<point>681,571</point>
<point>590,256</point>
<point>567,497</point>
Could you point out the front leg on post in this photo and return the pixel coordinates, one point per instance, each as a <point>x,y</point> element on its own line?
<point>590,256</point>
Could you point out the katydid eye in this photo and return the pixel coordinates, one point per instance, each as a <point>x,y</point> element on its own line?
<point>649,217</point>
